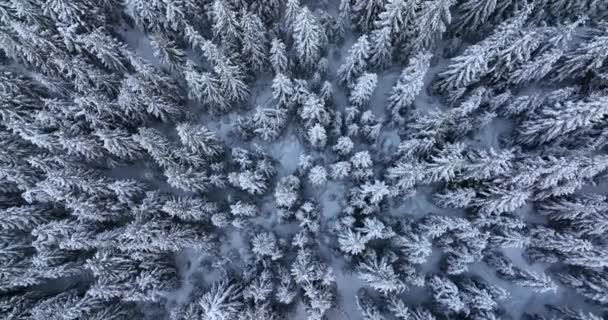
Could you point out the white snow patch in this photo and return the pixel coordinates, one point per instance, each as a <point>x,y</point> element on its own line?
<point>287,151</point>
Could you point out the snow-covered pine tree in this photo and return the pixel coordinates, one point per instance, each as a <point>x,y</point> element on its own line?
<point>363,89</point>
<point>365,12</point>
<point>409,85</point>
<point>308,38</point>
<point>432,21</point>
<point>381,48</point>
<point>255,43</point>
<point>317,136</point>
<point>200,139</point>
<point>278,57</point>
<point>356,62</point>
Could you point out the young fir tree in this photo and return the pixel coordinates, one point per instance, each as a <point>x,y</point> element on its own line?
<point>363,89</point>
<point>308,39</point>
<point>356,62</point>
<point>365,12</point>
<point>409,85</point>
<point>255,43</point>
<point>278,57</point>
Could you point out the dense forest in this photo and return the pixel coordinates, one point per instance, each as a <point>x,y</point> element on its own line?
<point>300,159</point>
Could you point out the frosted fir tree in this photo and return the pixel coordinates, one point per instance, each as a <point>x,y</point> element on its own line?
<point>287,192</point>
<point>363,89</point>
<point>315,278</point>
<point>432,21</point>
<point>351,242</point>
<point>562,119</point>
<point>591,284</point>
<point>225,22</point>
<point>343,23</point>
<point>255,43</point>
<point>415,247</point>
<point>445,165</point>
<point>157,146</point>
<point>265,245</point>
<point>457,198</point>
<point>497,200</point>
<point>398,308</point>
<point>574,208</point>
<point>309,217</point>
<point>250,181</point>
<point>368,308</point>
<point>286,289</point>
<point>343,146</point>
<point>381,48</point>
<point>230,75</point>
<point>308,38</point>
<point>200,139</point>
<point>356,62</point>
<point>505,237</point>
<point>188,179</point>
<point>340,170</point>
<point>409,85</point>
<point>278,57</point>
<point>562,243</point>
<point>486,164</point>
<point>537,68</point>
<point>481,297</point>
<point>206,88</point>
<point>404,176</point>
<point>588,56</point>
<point>24,218</point>
<point>365,12</point>
<point>222,301</point>
<point>161,236</point>
<point>190,209</point>
<point>507,270</point>
<point>464,70</point>
<point>282,90</point>
<point>269,122</point>
<point>244,209</point>
<point>374,229</point>
<point>106,48</point>
<point>399,17</point>
<point>314,111</point>
<point>446,295</point>
<point>168,52</point>
<point>120,143</point>
<point>292,8</point>
<point>474,14</point>
<point>317,136</point>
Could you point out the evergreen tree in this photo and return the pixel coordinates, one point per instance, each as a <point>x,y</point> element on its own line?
<point>199,139</point>
<point>446,295</point>
<point>308,38</point>
<point>432,21</point>
<point>255,43</point>
<point>225,23</point>
<point>355,63</point>
<point>365,12</point>
<point>317,136</point>
<point>278,57</point>
<point>381,48</point>
<point>363,89</point>
<point>399,17</point>
<point>409,85</point>
<point>562,119</point>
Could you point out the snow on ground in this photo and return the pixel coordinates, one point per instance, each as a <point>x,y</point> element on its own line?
<point>332,199</point>
<point>287,152</point>
<point>348,284</point>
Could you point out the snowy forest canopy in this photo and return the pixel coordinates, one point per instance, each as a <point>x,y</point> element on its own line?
<point>293,159</point>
